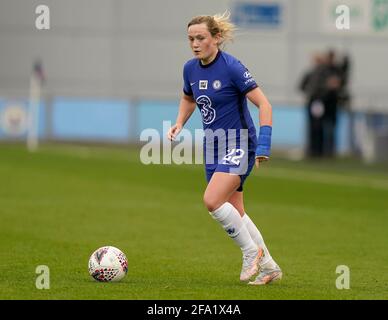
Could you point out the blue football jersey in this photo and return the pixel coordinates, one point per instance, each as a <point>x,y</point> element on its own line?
<point>219,89</point>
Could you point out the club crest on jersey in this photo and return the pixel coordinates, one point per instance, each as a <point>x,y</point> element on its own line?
<point>202,84</point>
<point>217,84</point>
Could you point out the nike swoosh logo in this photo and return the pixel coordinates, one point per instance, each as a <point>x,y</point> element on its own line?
<point>191,84</point>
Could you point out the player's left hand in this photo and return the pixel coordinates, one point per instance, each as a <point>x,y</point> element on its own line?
<point>260,159</point>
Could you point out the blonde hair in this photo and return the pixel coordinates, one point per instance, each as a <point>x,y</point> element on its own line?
<point>217,24</point>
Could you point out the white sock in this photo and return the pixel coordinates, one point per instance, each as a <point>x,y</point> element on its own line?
<point>231,222</point>
<point>257,238</point>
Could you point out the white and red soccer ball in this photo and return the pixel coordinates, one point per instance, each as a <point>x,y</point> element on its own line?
<point>108,264</point>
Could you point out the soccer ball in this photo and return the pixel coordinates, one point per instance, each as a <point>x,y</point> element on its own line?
<point>108,264</point>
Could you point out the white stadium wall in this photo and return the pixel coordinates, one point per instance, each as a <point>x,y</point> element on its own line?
<point>122,48</point>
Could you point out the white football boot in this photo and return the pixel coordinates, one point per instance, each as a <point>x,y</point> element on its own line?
<point>250,266</point>
<point>267,275</point>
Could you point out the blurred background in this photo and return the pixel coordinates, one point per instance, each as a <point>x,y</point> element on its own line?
<point>110,69</point>
<point>81,92</point>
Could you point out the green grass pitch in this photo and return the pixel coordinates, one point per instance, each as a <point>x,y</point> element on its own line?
<point>60,204</point>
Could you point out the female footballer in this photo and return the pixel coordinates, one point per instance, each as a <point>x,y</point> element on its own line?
<point>219,85</point>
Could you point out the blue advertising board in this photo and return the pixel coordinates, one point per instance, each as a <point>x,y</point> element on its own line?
<point>257,15</point>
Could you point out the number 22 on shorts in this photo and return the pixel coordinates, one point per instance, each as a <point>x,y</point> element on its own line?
<point>233,156</point>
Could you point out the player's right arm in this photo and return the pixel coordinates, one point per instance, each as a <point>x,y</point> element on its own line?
<point>186,109</point>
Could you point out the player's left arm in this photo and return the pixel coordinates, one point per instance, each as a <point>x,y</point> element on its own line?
<point>258,98</point>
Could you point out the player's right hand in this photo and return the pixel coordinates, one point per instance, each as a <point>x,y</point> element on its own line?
<point>174,131</point>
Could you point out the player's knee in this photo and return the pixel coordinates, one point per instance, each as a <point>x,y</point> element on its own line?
<point>211,202</point>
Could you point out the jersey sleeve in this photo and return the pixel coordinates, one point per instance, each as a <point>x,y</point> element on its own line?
<point>186,83</point>
<point>242,78</point>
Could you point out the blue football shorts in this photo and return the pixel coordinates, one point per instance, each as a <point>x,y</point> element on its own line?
<point>235,161</point>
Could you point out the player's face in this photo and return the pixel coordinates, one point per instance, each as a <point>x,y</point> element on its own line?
<point>203,44</point>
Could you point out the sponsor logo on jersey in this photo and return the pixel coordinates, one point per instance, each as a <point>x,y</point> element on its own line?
<point>205,105</point>
<point>247,74</point>
<point>202,84</point>
<point>249,81</point>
